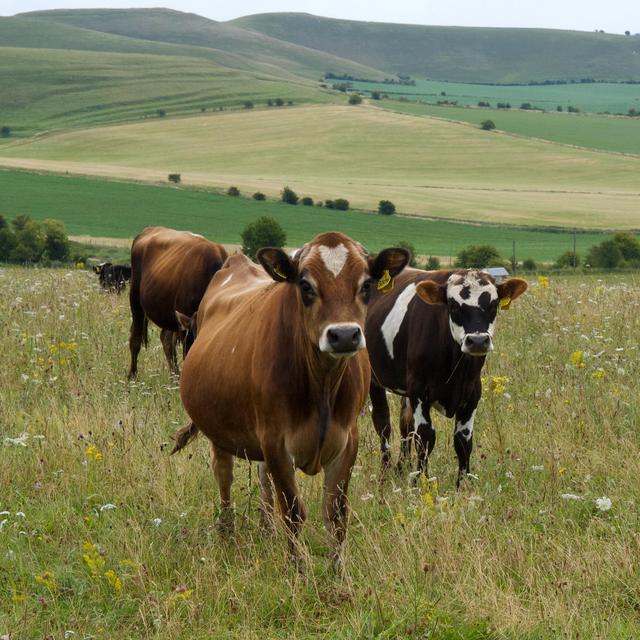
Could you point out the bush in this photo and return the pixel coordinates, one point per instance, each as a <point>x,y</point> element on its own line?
<point>529,265</point>
<point>623,250</point>
<point>566,260</point>
<point>5,132</point>
<point>56,243</point>
<point>629,247</point>
<point>248,104</point>
<point>7,244</point>
<point>559,108</point>
<point>30,241</point>
<point>234,192</point>
<point>526,106</point>
<point>307,201</point>
<point>375,95</point>
<point>341,204</point>
<point>258,195</point>
<point>386,207</point>
<point>432,263</point>
<point>477,257</point>
<point>161,113</point>
<point>279,102</point>
<point>571,109</point>
<point>289,196</point>
<point>355,98</point>
<point>264,232</point>
<point>487,125</point>
<point>412,251</point>
<point>174,177</point>
<point>269,102</point>
<point>483,104</point>
<point>328,204</point>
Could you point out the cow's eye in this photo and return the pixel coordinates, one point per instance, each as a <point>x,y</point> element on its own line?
<point>366,287</point>
<point>306,287</point>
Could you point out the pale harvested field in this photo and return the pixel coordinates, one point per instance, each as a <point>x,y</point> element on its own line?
<point>426,166</point>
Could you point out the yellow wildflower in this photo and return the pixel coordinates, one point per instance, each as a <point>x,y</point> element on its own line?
<point>114,580</point>
<point>498,384</point>
<point>92,558</point>
<point>543,281</point>
<point>598,374</point>
<point>92,452</point>
<point>400,518</point>
<point>577,359</point>
<point>18,598</point>
<point>48,580</point>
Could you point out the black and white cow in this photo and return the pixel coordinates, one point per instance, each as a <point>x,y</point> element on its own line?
<point>113,277</point>
<point>427,341</point>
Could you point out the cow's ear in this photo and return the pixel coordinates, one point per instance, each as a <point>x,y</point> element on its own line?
<point>277,264</point>
<point>386,265</point>
<point>431,292</point>
<point>184,321</point>
<point>509,290</point>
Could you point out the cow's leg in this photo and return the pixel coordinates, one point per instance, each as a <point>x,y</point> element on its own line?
<point>406,433</point>
<point>381,422</point>
<point>463,441</point>
<point>424,433</point>
<point>335,504</point>
<point>266,496</point>
<point>284,480</point>
<point>138,331</point>
<point>168,339</point>
<point>222,464</point>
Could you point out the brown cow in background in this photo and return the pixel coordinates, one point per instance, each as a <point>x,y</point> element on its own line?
<point>170,271</point>
<point>279,371</point>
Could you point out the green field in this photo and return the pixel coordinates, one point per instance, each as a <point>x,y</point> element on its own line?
<point>106,536</point>
<point>115,209</point>
<point>593,132</point>
<point>425,166</point>
<point>589,97</point>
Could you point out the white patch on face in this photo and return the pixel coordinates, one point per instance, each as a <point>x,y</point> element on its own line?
<point>466,428</point>
<point>418,417</point>
<point>325,346</point>
<point>334,258</point>
<point>476,288</point>
<point>226,280</point>
<point>392,323</point>
<point>457,332</point>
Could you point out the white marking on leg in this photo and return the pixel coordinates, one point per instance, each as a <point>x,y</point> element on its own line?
<point>392,323</point>
<point>466,428</point>
<point>418,418</point>
<point>334,258</point>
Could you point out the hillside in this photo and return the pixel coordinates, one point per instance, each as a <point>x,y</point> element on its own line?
<point>425,166</point>
<point>464,54</point>
<point>238,47</point>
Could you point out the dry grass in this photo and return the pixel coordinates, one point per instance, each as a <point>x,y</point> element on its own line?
<point>506,557</point>
<point>425,166</point>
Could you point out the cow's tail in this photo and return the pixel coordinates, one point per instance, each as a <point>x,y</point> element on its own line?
<point>184,436</point>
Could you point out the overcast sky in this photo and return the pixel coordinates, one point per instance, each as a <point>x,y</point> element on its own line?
<point>615,16</point>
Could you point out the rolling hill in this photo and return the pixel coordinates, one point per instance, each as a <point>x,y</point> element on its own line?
<point>464,54</point>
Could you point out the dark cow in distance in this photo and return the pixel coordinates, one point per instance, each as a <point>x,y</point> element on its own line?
<point>170,272</point>
<point>113,277</point>
<point>427,342</point>
<point>279,371</point>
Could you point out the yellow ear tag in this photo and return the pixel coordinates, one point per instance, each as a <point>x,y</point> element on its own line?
<point>505,303</point>
<point>385,284</point>
<point>278,272</point>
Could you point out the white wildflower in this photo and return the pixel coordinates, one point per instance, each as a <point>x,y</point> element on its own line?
<point>157,521</point>
<point>20,441</point>
<point>2,523</point>
<point>107,507</point>
<point>570,496</point>
<point>366,496</point>
<point>603,504</point>
<point>20,514</point>
<point>537,467</point>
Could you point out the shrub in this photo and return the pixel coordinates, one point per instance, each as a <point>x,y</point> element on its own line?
<point>290,102</point>
<point>432,263</point>
<point>483,104</point>
<point>526,105</point>
<point>5,132</point>
<point>289,196</point>
<point>375,95</point>
<point>174,177</point>
<point>233,192</point>
<point>566,260</point>
<point>529,265</point>
<point>7,244</point>
<point>559,108</point>
<point>328,204</point>
<point>477,257</point>
<point>279,102</point>
<point>56,243</point>
<point>629,247</point>
<point>258,195</point>
<point>341,204</point>
<point>307,201</point>
<point>606,255</point>
<point>264,232</point>
<point>161,113</point>
<point>29,241</point>
<point>487,125</point>
<point>269,102</point>
<point>355,98</point>
<point>248,104</point>
<point>386,207</point>
<point>571,109</point>
<point>412,252</point>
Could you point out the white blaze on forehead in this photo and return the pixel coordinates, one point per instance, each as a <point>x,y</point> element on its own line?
<point>334,258</point>
<point>392,323</point>
<point>466,428</point>
<point>471,280</point>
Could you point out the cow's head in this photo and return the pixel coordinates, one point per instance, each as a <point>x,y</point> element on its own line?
<point>472,298</point>
<point>188,330</point>
<point>333,276</point>
<point>98,268</point>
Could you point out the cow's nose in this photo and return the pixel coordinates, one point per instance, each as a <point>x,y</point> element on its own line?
<point>478,343</point>
<point>344,339</point>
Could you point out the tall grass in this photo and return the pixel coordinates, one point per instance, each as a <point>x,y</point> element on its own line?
<point>106,536</point>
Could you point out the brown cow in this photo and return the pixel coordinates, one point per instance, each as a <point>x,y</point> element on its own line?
<point>170,270</point>
<point>279,372</point>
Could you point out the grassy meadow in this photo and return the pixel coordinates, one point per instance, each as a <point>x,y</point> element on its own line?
<point>591,97</point>
<point>103,535</point>
<point>606,133</point>
<point>425,166</point>
<point>109,209</point>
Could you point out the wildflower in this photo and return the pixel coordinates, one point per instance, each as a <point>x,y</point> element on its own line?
<point>400,519</point>
<point>598,374</point>
<point>92,452</point>
<point>570,496</point>
<point>562,470</point>
<point>107,507</point>
<point>114,580</point>
<point>2,523</point>
<point>92,558</point>
<point>537,467</point>
<point>157,521</point>
<point>543,281</point>
<point>497,384</point>
<point>577,359</point>
<point>603,504</point>
<point>366,496</point>
<point>20,441</point>
<point>47,579</point>
<point>182,592</point>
